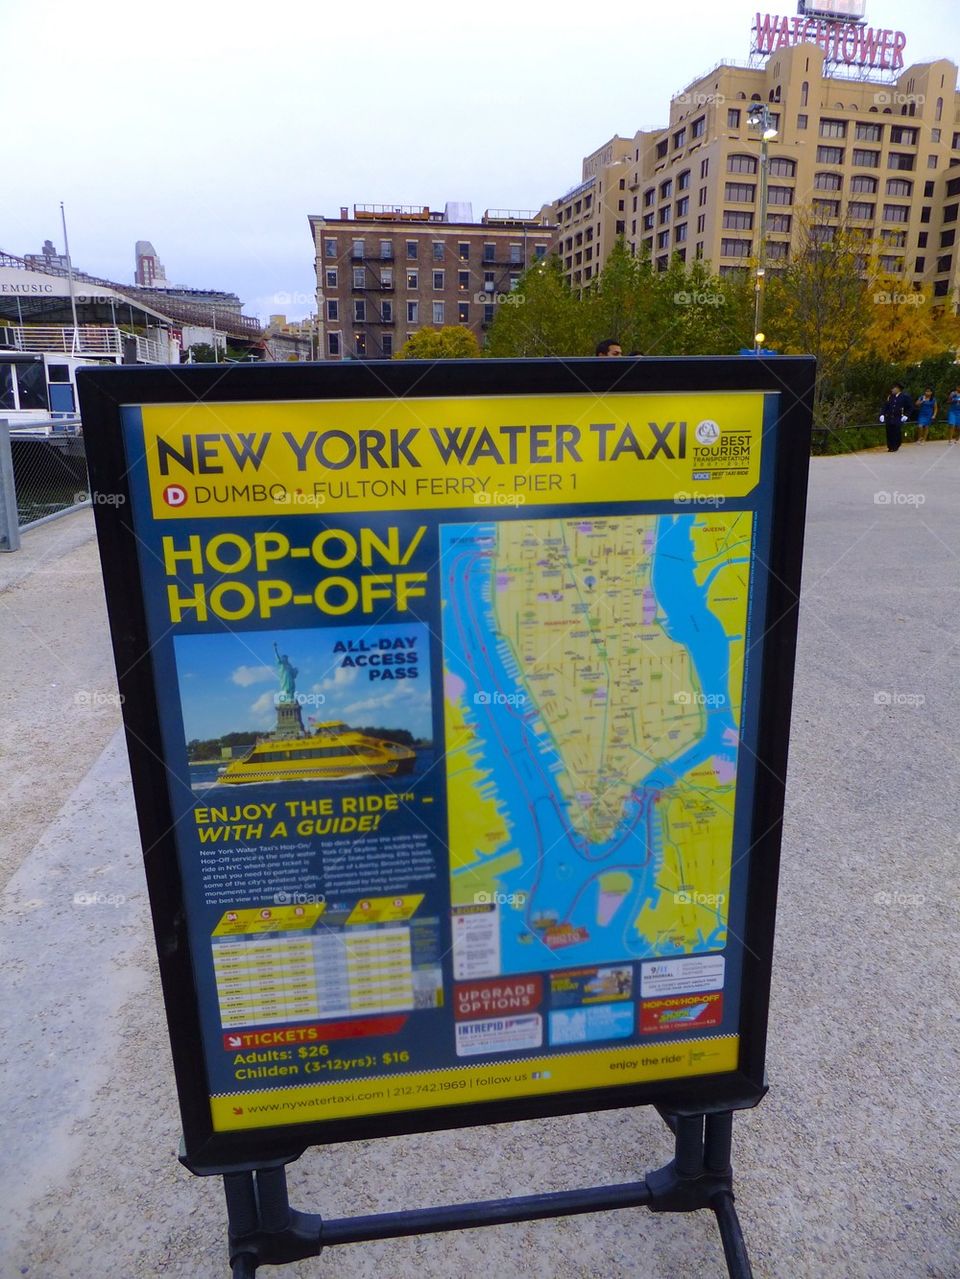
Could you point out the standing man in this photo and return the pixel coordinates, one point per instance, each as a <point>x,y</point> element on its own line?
<point>896,411</point>
<point>609,347</point>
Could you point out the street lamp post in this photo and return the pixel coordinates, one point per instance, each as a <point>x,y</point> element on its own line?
<point>760,117</point>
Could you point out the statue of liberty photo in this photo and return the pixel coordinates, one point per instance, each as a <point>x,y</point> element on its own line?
<point>287,674</point>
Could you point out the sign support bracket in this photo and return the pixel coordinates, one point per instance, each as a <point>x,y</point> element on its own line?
<point>265,1230</point>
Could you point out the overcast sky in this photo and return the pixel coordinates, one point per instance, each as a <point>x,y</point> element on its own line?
<point>214,129</point>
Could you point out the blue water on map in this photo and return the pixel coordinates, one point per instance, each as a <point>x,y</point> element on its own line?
<point>559,870</point>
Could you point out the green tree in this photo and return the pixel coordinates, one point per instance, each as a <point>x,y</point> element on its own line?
<point>541,317</point>
<point>453,342</point>
<point>690,310</point>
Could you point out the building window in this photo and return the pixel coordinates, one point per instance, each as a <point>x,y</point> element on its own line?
<point>947,238</point>
<point>620,228</point>
<point>516,250</point>
<point>704,168</point>
<point>701,223</point>
<point>898,239</point>
<point>683,206</point>
<point>359,277</point>
<point>666,189</point>
<point>359,311</point>
<point>680,234</point>
<point>540,250</point>
<point>902,136</point>
<point>386,250</point>
<point>333,309</point>
<point>438,279</point>
<point>330,248</point>
<point>833,128</point>
<point>896,213</point>
<point>463,312</point>
<point>386,344</point>
<point>648,220</point>
<point>438,250</point>
<point>925,213</point>
<point>360,344</point>
<point>699,249</point>
<point>831,155</point>
<point>931,161</point>
<point>779,223</point>
<point>386,312</point>
<point>780,195</point>
<point>941,288</point>
<point>333,344</point>
<point>863,184</point>
<point>928,188</point>
<point>683,181</point>
<point>663,240</point>
<point>944,262</point>
<point>869,132</point>
<point>356,250</point>
<point>514,281</point>
<point>489,253</point>
<point>783,168</point>
<point>866,159</point>
<point>742,164</point>
<point>891,264</point>
<point>662,148</point>
<point>901,160</point>
<point>438,312</point>
<point>778,250</point>
<point>737,220</point>
<point>331,277</point>
<point>696,129</point>
<point>413,312</point>
<point>649,196</point>
<point>413,279</point>
<point>827,208</point>
<point>804,93</point>
<point>802,122</point>
<point>463,280</point>
<point>733,118</point>
<point>899,186</point>
<point>664,215</point>
<point>488,313</point>
<point>412,251</point>
<point>861,211</point>
<point>702,198</point>
<point>740,192</point>
<point>919,264</point>
<point>921,238</point>
<point>824,181</point>
<point>386,277</point>
<point>463,251</point>
<point>679,139</point>
<point>735,248</point>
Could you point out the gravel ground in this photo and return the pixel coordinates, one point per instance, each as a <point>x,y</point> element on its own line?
<point>848,1168</point>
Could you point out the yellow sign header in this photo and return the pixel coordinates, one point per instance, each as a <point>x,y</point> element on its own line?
<point>217,460</point>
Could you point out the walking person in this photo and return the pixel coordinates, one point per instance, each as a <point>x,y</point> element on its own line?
<point>953,414</point>
<point>927,409</point>
<point>896,410</point>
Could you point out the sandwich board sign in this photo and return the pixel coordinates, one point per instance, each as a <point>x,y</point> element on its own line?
<point>457,700</point>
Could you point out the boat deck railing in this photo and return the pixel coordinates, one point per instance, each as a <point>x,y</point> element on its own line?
<point>99,341</point>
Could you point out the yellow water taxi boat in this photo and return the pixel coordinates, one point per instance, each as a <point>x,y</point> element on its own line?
<point>333,750</point>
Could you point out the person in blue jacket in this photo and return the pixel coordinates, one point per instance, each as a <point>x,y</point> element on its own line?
<point>896,410</point>
<point>927,409</point>
<point>953,414</point>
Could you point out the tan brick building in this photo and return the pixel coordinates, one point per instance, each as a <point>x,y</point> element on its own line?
<point>884,156</point>
<point>386,271</point>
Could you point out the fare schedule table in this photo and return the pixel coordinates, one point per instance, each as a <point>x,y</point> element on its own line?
<point>270,966</point>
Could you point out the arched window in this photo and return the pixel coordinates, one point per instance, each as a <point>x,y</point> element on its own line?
<point>804,91</point>
<point>939,108</point>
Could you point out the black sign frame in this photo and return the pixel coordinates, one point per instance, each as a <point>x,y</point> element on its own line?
<point>105,389</point>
